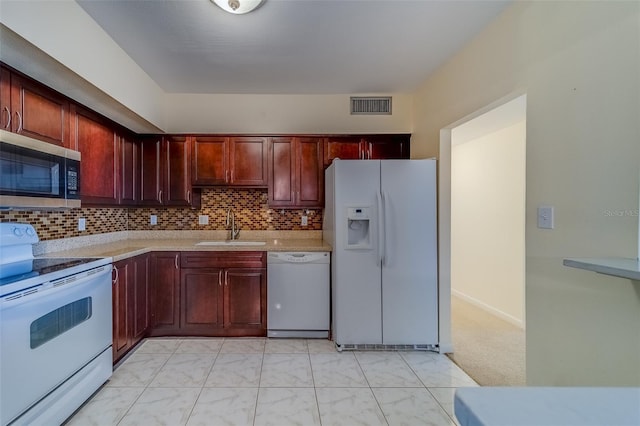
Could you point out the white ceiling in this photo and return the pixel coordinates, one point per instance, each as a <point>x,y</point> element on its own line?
<point>292,46</point>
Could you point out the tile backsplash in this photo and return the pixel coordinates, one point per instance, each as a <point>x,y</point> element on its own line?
<point>52,225</point>
<point>249,206</point>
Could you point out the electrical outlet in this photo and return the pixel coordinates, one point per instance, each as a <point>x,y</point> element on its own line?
<point>82,224</point>
<point>203,219</point>
<point>304,221</point>
<point>153,219</point>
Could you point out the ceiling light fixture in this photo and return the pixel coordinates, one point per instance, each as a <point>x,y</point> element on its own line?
<point>238,7</point>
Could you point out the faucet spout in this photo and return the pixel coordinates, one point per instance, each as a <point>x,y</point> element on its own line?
<point>234,231</point>
<point>231,217</point>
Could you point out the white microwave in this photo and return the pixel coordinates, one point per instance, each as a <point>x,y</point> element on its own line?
<point>36,174</point>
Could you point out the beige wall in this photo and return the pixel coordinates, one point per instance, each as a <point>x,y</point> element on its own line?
<point>281,114</point>
<point>487,221</point>
<point>578,63</point>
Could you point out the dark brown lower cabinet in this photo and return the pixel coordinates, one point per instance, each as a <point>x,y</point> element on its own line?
<point>214,294</point>
<point>120,298</point>
<point>165,293</point>
<point>201,291</point>
<point>141,313</point>
<point>245,298</point>
<point>130,303</point>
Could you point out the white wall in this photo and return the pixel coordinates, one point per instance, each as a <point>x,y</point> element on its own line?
<point>578,63</point>
<point>487,221</point>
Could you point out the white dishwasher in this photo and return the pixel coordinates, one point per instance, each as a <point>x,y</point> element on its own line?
<point>298,294</point>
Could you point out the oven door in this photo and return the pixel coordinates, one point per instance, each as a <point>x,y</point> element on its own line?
<point>46,337</point>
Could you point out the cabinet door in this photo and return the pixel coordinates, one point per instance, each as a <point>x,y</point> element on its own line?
<point>177,173</point>
<point>38,111</point>
<point>201,308</point>
<point>140,308</point>
<point>245,298</point>
<point>5,99</point>
<point>165,291</point>
<point>98,145</point>
<point>282,176</point>
<point>296,175</point>
<point>122,278</point>
<point>129,170</point>
<point>309,172</point>
<point>209,160</point>
<point>248,161</point>
<point>387,147</point>
<point>346,148</point>
<point>151,171</point>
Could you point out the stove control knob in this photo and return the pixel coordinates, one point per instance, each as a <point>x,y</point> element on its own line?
<point>30,231</point>
<point>17,232</point>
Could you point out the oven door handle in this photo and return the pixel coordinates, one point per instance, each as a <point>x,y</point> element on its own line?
<point>52,288</point>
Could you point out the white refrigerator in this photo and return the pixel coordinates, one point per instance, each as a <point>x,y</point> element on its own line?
<point>380,219</point>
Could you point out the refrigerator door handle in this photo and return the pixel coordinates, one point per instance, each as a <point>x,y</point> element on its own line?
<point>385,201</point>
<point>380,251</point>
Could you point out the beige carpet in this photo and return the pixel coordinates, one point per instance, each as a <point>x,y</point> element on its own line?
<point>487,348</point>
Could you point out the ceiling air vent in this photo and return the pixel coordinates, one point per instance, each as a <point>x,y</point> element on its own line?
<point>371,105</point>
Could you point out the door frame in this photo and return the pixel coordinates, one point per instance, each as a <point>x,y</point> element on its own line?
<point>444,218</point>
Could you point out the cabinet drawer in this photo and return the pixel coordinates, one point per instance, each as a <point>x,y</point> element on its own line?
<point>235,259</point>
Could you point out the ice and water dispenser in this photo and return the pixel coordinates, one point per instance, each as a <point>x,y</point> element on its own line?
<point>358,228</point>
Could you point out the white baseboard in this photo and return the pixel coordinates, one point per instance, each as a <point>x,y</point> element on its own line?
<point>488,308</point>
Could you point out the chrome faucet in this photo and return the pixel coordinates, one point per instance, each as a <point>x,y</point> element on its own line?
<point>231,217</point>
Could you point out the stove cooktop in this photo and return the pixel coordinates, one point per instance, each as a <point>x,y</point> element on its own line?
<point>17,276</point>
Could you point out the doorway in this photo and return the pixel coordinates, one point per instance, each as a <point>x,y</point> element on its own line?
<point>483,160</point>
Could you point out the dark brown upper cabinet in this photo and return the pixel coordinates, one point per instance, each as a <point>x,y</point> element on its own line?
<point>209,160</point>
<point>32,109</point>
<point>386,147</point>
<point>296,175</point>
<point>343,147</point>
<point>366,147</point>
<point>97,141</point>
<point>165,172</point>
<point>230,161</point>
<point>129,169</point>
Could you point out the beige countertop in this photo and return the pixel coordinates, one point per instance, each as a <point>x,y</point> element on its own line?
<point>129,247</point>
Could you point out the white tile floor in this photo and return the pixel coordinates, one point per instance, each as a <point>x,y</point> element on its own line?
<point>274,382</point>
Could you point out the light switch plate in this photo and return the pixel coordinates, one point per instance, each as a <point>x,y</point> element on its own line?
<point>545,217</point>
<point>203,219</point>
<point>304,221</point>
<point>82,224</point>
<point>153,219</point>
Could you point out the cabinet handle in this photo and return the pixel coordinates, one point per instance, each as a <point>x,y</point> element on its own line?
<point>175,261</point>
<point>6,126</point>
<point>19,122</point>
<point>226,177</point>
<point>220,278</point>
<point>160,196</point>
<point>226,278</point>
<point>115,280</point>
<point>189,197</point>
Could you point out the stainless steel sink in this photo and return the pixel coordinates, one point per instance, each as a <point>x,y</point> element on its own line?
<point>231,243</point>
